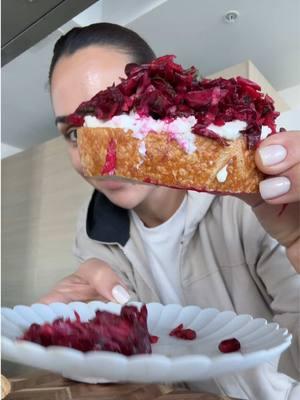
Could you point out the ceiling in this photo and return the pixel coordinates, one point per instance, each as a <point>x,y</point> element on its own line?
<point>267,32</point>
<point>34,20</point>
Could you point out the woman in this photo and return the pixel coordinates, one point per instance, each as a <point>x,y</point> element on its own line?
<point>160,244</point>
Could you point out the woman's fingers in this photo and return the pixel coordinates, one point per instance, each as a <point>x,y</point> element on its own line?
<point>71,288</point>
<point>279,157</point>
<point>54,297</point>
<point>278,153</point>
<point>104,280</point>
<point>94,280</point>
<point>282,189</point>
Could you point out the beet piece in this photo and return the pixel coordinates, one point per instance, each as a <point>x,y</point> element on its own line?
<point>154,339</point>
<point>163,89</point>
<point>111,159</point>
<point>188,334</point>
<point>229,345</point>
<point>75,120</point>
<point>181,333</point>
<point>210,134</point>
<point>176,331</point>
<point>126,333</point>
<point>247,83</point>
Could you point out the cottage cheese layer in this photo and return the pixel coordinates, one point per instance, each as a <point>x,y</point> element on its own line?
<point>179,129</point>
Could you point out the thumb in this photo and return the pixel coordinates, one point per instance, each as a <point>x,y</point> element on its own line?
<point>104,280</point>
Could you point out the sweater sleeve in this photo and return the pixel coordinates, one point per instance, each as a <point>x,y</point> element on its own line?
<point>278,282</point>
<point>85,248</point>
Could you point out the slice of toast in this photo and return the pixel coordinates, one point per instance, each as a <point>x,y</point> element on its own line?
<point>160,160</point>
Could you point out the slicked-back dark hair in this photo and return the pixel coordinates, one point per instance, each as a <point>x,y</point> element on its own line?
<point>102,34</point>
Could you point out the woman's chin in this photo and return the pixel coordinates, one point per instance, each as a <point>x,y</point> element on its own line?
<point>110,184</point>
<point>113,184</point>
<point>121,192</point>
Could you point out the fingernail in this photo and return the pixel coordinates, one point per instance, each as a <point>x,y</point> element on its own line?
<point>120,294</point>
<point>273,154</point>
<point>274,187</point>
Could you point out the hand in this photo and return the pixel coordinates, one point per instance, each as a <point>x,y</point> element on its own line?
<point>94,280</point>
<point>279,157</point>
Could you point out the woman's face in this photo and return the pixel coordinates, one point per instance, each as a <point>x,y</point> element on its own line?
<point>76,78</point>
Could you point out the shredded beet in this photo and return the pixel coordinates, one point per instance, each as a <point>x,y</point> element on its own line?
<point>126,333</point>
<point>111,159</point>
<point>154,339</point>
<point>181,333</point>
<point>229,345</point>
<point>163,89</point>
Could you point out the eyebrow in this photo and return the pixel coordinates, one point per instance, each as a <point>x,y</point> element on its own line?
<point>61,119</point>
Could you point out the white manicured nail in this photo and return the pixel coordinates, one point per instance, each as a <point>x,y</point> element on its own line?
<point>273,154</point>
<point>120,294</point>
<point>274,187</point>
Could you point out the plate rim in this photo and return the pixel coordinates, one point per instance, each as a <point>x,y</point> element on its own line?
<point>287,336</point>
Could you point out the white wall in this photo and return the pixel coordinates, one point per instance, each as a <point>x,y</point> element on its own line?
<point>8,150</point>
<point>290,120</point>
<point>291,96</point>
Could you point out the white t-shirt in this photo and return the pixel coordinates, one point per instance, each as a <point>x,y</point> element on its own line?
<point>162,246</point>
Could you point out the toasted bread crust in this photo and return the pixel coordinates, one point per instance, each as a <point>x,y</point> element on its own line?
<point>166,163</point>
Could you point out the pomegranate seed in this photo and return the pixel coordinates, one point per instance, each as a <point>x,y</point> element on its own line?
<point>229,345</point>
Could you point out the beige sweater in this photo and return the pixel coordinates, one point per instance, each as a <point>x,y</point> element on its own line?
<point>228,262</point>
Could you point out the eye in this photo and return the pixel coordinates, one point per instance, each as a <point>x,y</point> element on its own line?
<point>71,135</point>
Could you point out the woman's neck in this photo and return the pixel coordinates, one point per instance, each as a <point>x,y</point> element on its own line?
<point>159,206</point>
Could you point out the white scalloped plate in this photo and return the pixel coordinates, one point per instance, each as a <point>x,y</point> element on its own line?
<point>172,359</point>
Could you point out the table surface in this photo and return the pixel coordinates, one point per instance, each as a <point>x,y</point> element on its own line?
<point>48,386</point>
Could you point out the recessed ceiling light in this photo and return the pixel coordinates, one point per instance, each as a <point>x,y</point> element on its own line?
<point>231,16</point>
